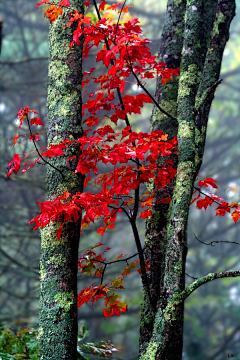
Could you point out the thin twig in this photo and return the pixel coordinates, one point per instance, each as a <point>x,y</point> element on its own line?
<point>30,130</point>
<point>216,242</point>
<point>191,276</point>
<point>112,207</point>
<point>201,192</point>
<point>146,91</point>
<point>119,19</point>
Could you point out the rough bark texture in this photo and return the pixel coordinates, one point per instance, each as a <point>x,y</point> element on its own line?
<point>155,250</point>
<point>58,264</point>
<point>194,35</point>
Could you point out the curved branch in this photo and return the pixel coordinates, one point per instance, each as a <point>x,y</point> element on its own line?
<point>212,243</point>
<point>139,83</point>
<point>45,161</point>
<point>172,306</point>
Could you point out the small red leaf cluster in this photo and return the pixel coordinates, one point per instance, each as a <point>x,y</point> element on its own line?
<point>204,200</point>
<point>23,116</point>
<point>95,264</point>
<point>54,11</point>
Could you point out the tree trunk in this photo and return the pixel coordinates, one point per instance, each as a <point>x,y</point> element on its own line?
<point>194,37</point>
<point>58,264</point>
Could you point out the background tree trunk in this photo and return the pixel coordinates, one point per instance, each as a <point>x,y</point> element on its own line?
<point>58,265</point>
<point>194,35</point>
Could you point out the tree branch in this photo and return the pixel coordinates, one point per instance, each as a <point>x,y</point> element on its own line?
<point>146,91</point>
<point>142,262</point>
<point>170,310</point>
<point>212,243</point>
<point>34,143</point>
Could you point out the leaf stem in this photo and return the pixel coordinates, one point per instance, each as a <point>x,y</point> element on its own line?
<point>46,162</point>
<point>145,90</point>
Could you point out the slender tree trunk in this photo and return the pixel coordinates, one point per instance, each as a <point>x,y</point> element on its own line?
<point>194,37</point>
<point>58,264</point>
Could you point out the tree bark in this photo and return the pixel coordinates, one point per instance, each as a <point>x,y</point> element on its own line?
<point>194,36</point>
<point>58,264</point>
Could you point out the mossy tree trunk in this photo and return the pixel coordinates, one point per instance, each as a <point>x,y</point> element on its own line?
<point>58,263</point>
<point>194,38</point>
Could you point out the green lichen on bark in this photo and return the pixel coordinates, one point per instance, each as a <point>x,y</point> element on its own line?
<point>170,53</point>
<point>202,43</point>
<point>211,71</point>
<point>171,308</point>
<point>58,294</point>
<point>153,345</point>
<point>64,300</point>
<point>58,263</point>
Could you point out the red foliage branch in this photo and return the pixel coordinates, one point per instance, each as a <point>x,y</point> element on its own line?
<point>133,155</point>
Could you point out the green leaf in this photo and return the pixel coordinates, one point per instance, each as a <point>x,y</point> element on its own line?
<point>84,332</point>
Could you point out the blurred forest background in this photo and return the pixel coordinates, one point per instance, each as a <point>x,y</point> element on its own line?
<point>212,316</point>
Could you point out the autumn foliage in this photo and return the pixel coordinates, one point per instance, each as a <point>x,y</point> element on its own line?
<point>133,156</point>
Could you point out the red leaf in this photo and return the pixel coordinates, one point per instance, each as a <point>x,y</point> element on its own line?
<point>15,139</point>
<point>37,121</point>
<point>42,2</point>
<point>235,215</point>
<point>222,209</point>
<point>102,5</point>
<point>53,12</point>
<point>14,165</point>
<point>64,3</point>
<point>208,182</point>
<point>35,137</point>
<point>204,203</point>
<point>194,199</point>
<point>114,6</point>
<point>59,232</point>
<point>54,151</point>
<point>125,9</point>
<point>145,214</point>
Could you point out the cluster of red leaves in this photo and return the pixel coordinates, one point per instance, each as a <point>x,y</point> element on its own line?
<point>23,115</point>
<point>54,11</point>
<point>94,293</point>
<point>204,200</point>
<point>115,184</point>
<point>124,52</point>
<point>90,262</point>
<point>14,165</point>
<point>132,155</point>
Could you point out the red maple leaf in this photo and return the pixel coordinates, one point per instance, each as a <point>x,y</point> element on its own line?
<point>53,12</point>
<point>204,203</point>
<point>35,137</point>
<point>43,2</point>
<point>37,121</point>
<point>235,215</point>
<point>208,182</point>
<point>14,165</point>
<point>64,3</point>
<point>145,214</point>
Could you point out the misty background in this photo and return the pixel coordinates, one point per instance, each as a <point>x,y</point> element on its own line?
<point>212,313</point>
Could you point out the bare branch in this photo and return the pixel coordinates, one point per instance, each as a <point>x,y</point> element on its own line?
<point>171,309</point>
<point>216,242</point>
